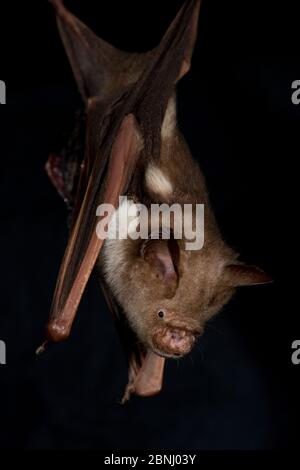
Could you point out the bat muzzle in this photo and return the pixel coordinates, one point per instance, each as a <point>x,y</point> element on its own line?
<point>174,342</point>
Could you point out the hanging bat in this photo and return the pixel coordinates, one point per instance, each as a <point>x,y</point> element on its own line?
<point>160,293</point>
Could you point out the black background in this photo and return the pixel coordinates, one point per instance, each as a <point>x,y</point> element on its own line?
<point>238,389</point>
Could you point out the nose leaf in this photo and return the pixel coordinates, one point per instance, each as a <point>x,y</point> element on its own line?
<point>174,341</point>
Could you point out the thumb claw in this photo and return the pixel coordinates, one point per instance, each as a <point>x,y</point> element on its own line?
<point>41,348</point>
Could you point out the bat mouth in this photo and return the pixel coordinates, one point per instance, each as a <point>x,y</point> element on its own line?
<point>171,342</point>
<point>167,355</point>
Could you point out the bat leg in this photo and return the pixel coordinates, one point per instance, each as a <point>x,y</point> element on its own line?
<point>99,68</point>
<point>145,380</point>
<point>132,373</point>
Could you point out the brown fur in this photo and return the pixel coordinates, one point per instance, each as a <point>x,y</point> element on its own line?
<point>203,285</point>
<point>133,147</point>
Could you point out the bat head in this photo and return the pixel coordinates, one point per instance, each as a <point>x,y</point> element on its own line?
<point>169,293</point>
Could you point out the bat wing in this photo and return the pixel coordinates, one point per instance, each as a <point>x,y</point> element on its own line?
<point>126,96</point>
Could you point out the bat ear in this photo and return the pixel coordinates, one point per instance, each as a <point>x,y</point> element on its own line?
<point>162,255</point>
<point>98,67</point>
<point>190,43</point>
<point>242,275</point>
<point>169,123</point>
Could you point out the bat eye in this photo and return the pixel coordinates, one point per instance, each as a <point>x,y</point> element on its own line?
<point>161,314</point>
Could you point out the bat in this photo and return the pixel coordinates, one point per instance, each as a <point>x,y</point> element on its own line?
<point>160,293</point>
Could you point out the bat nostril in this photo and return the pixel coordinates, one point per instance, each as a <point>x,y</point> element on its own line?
<point>177,335</point>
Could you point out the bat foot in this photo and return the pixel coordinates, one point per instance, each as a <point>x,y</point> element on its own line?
<point>146,380</point>
<point>129,390</point>
<point>41,348</point>
<point>56,3</point>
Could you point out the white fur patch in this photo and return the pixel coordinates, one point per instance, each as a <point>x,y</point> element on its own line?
<point>169,122</point>
<point>123,218</point>
<point>158,182</point>
<point>114,257</point>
